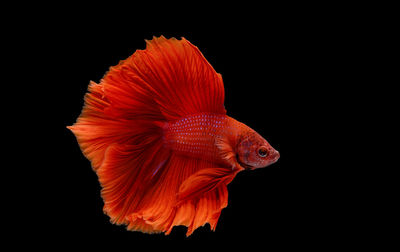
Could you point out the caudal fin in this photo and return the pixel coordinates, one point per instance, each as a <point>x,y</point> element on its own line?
<point>120,130</point>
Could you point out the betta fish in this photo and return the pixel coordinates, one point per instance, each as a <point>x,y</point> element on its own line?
<point>157,135</point>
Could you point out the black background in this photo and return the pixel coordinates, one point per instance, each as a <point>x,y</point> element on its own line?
<point>279,82</point>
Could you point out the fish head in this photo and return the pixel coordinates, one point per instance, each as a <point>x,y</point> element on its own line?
<point>253,151</point>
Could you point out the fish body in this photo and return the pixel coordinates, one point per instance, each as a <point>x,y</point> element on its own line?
<point>201,135</point>
<point>195,135</point>
<point>156,132</point>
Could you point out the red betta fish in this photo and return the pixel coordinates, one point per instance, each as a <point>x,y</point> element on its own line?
<point>156,132</point>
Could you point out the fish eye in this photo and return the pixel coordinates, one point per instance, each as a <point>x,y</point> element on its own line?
<point>262,152</point>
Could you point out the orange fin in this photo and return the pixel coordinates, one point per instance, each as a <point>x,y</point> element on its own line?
<point>174,73</point>
<point>226,151</point>
<point>206,208</point>
<point>127,176</point>
<point>204,181</point>
<point>120,131</point>
<point>150,203</point>
<point>206,191</point>
<point>96,130</point>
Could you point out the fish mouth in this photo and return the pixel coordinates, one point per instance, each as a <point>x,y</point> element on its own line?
<point>275,157</point>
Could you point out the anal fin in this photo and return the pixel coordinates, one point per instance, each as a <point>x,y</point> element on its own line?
<point>202,196</point>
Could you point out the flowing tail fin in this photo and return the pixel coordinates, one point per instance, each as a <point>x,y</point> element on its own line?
<point>145,185</point>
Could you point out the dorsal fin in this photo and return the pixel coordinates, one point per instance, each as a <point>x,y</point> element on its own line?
<point>175,74</point>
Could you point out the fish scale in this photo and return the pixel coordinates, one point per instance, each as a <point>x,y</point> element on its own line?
<point>195,135</point>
